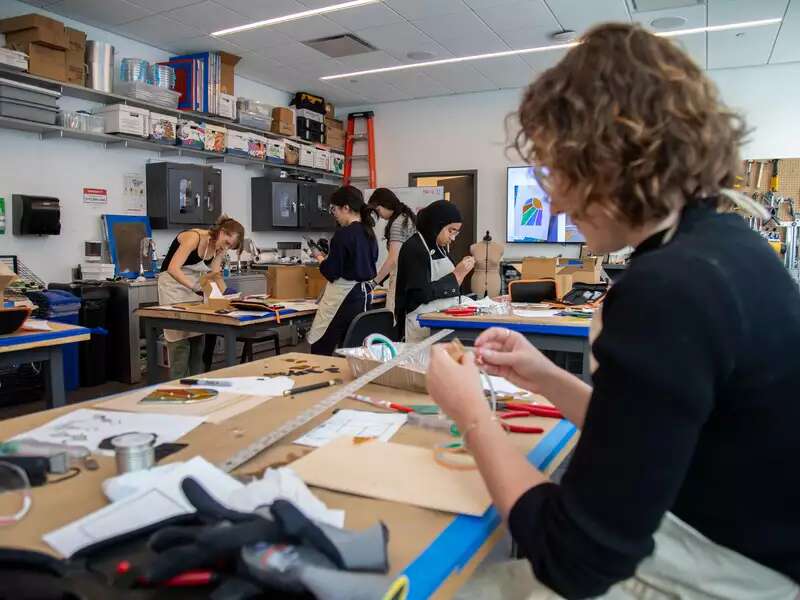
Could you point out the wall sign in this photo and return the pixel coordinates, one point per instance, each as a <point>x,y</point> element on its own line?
<point>95,196</point>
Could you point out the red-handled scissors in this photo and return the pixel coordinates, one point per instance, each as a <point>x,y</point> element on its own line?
<point>461,311</point>
<point>519,410</point>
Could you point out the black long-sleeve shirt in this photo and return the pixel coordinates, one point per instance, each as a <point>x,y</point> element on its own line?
<point>352,256</point>
<point>695,410</point>
<point>414,285</point>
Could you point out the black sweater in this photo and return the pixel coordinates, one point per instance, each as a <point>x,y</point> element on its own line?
<point>694,410</point>
<point>414,285</point>
<point>353,254</point>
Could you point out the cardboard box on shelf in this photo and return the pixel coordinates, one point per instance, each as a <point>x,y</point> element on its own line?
<point>215,138</point>
<point>76,40</point>
<point>276,151</point>
<point>539,268</point>
<point>238,143</point>
<point>322,159</point>
<point>257,146</point>
<point>191,134</point>
<point>330,109</point>
<point>337,163</point>
<point>292,152</point>
<point>44,61</point>
<point>283,120</point>
<point>163,128</point>
<point>227,70</point>
<point>309,101</point>
<point>331,123</point>
<point>227,106</point>
<point>307,155</point>
<point>33,28</point>
<point>286,282</point>
<point>121,118</point>
<point>585,270</point>
<point>335,139</point>
<point>311,115</point>
<point>315,281</point>
<point>76,74</point>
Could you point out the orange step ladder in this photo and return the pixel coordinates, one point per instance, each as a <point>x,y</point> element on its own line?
<point>366,135</point>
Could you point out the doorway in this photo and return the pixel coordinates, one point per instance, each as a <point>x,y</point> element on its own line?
<point>460,188</point>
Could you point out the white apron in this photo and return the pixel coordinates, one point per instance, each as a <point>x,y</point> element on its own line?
<point>172,292</point>
<point>332,298</point>
<point>392,288</point>
<point>439,268</point>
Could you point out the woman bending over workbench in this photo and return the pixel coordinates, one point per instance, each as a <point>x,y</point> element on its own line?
<point>192,253</point>
<point>684,482</point>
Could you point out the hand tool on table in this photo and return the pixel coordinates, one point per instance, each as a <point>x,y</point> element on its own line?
<point>178,396</point>
<point>382,403</point>
<point>462,311</point>
<point>520,410</point>
<point>311,387</point>
<point>329,402</point>
<point>212,382</point>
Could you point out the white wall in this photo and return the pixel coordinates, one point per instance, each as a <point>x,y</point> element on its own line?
<point>62,168</point>
<point>468,132</point>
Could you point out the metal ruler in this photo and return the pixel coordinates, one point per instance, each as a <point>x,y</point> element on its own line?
<point>329,402</point>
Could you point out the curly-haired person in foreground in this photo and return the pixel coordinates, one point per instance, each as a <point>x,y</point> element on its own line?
<point>683,483</point>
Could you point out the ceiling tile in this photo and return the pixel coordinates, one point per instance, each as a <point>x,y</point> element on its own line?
<point>207,16</point>
<point>739,48</point>
<point>99,12</point>
<point>580,16</point>
<point>260,10</point>
<point>527,37</point>
<point>415,83</point>
<point>158,31</point>
<point>206,42</point>
<point>340,95</point>
<point>479,43</point>
<point>310,28</point>
<point>40,3</point>
<point>463,24</point>
<point>695,46</point>
<point>373,89</point>
<point>506,71</point>
<point>541,61</point>
<point>368,60</point>
<point>786,47</point>
<point>163,5</point>
<point>722,12</point>
<point>258,39</point>
<point>518,14</point>
<point>461,78</point>
<point>420,9</point>
<point>695,16</point>
<point>294,53</point>
<point>371,15</point>
<point>401,38</point>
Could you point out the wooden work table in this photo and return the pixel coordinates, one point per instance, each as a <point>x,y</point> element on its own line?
<point>26,345</point>
<point>437,551</point>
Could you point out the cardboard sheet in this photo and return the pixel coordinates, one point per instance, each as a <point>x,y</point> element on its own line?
<point>396,472</point>
<point>216,410</point>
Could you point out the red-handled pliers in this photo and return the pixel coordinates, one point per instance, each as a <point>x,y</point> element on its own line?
<point>520,410</point>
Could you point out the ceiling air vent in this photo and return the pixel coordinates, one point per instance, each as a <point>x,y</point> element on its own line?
<point>339,46</point>
<point>648,5</point>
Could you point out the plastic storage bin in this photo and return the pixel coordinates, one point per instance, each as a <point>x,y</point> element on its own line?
<point>29,94</point>
<point>28,112</point>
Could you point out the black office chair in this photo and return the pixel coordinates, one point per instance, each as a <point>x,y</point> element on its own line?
<point>270,335</point>
<point>372,321</point>
<point>532,290</point>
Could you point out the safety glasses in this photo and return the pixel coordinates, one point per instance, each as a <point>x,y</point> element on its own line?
<point>15,494</point>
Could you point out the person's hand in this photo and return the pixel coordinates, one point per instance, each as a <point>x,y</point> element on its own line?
<point>508,354</point>
<point>318,256</point>
<point>456,387</point>
<point>464,267</point>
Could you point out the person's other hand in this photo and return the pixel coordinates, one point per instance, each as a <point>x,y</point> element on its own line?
<point>318,256</point>
<point>508,354</point>
<point>464,267</point>
<point>456,387</point>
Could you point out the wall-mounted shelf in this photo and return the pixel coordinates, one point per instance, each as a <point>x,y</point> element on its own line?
<point>71,90</point>
<point>115,142</point>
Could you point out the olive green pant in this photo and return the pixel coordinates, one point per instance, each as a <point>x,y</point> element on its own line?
<point>186,357</point>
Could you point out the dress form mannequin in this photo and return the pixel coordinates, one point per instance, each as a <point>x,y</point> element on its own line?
<point>486,276</point>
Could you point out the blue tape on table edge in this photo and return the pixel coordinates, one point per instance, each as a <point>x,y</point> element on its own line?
<point>283,312</point>
<point>459,542</point>
<point>43,336</point>
<point>521,327</point>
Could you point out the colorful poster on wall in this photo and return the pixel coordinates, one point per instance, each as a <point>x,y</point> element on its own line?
<point>133,194</point>
<point>95,196</point>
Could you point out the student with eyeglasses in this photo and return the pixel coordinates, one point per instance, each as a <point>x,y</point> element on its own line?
<point>427,279</point>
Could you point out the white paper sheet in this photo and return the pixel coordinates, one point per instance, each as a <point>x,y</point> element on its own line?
<point>250,313</point>
<point>37,325</point>
<point>88,427</point>
<point>254,386</point>
<point>354,423</point>
<point>502,386</point>
<point>215,291</point>
<point>535,313</point>
<point>161,499</point>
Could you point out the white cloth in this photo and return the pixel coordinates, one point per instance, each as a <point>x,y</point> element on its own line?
<point>440,267</point>
<point>172,292</point>
<point>332,298</point>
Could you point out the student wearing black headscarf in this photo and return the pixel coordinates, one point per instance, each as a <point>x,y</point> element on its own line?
<point>427,280</point>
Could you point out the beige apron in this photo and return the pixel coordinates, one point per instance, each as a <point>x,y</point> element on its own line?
<point>172,292</point>
<point>439,268</point>
<point>392,288</point>
<point>332,298</point>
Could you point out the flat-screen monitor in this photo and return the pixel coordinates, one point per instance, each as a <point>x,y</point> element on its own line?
<point>529,219</point>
